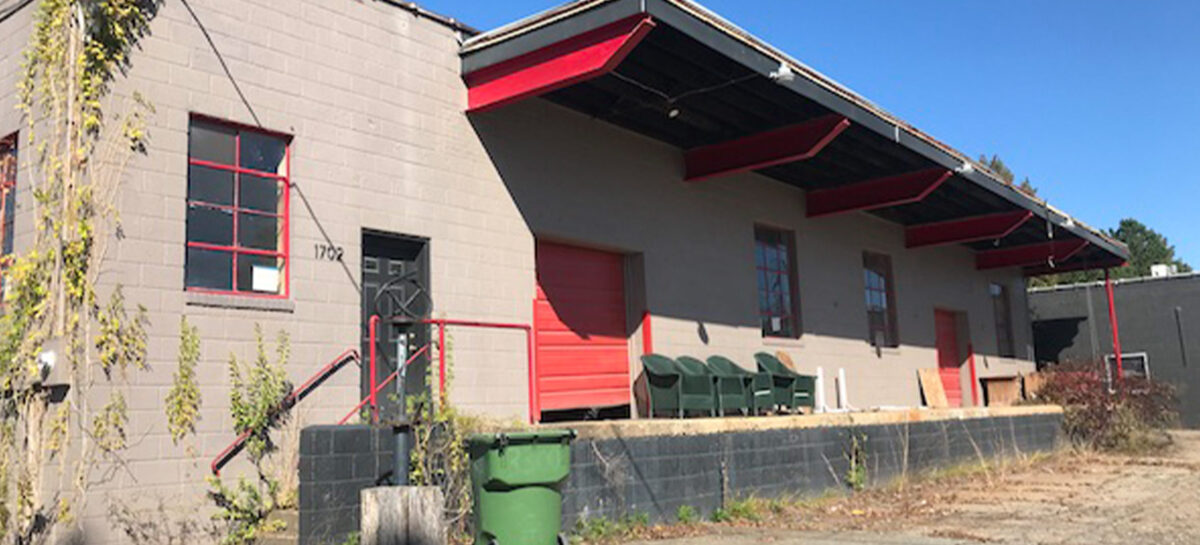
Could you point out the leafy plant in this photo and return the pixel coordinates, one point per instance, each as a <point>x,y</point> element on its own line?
<point>605,529</point>
<point>1132,417</point>
<point>687,514</point>
<point>745,509</point>
<point>183,400</point>
<point>439,454</point>
<point>856,456</point>
<point>257,404</point>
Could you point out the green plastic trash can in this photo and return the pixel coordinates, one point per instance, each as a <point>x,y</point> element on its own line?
<point>517,482</point>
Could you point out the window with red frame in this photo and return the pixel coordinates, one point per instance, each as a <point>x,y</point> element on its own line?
<point>881,300</point>
<point>775,257</point>
<point>8,194</point>
<point>237,210</point>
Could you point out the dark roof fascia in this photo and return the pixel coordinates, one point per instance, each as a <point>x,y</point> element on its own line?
<point>544,29</point>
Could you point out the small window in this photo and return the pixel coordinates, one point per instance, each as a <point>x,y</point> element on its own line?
<point>778,302</point>
<point>8,194</point>
<point>237,222</point>
<point>1136,364</point>
<point>1002,308</point>
<point>880,300</point>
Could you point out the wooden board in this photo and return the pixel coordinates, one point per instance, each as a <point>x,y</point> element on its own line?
<point>1002,391</point>
<point>931,386</point>
<point>1033,385</point>
<point>785,359</point>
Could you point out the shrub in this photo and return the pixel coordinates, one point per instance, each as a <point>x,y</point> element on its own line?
<point>1132,417</point>
<point>687,514</point>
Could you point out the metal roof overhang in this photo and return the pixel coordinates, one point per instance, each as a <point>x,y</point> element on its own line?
<point>671,70</point>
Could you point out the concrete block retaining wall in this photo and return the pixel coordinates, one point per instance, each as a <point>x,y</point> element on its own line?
<point>638,471</point>
<point>336,463</point>
<point>655,466</point>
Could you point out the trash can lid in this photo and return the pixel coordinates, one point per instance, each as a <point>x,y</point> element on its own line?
<point>537,436</point>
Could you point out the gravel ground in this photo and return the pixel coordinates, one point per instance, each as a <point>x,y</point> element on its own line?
<point>1068,499</point>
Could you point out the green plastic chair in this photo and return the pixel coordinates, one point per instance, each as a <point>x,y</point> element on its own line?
<point>788,388</point>
<point>699,386</point>
<point>664,383</point>
<point>735,387</point>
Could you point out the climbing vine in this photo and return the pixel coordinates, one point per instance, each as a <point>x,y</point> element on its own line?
<point>183,400</point>
<point>64,354</point>
<point>257,404</point>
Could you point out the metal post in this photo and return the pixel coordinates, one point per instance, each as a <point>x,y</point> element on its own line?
<point>1112,320</point>
<point>531,350</point>
<point>1182,340</point>
<point>372,326</point>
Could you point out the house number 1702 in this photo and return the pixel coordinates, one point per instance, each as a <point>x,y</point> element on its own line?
<point>328,252</point>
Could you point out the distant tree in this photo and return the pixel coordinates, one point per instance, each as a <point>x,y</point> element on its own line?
<point>1147,247</point>
<point>996,165</point>
<point>1027,187</point>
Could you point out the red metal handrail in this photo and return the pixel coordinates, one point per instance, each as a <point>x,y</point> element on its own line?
<point>291,399</point>
<point>530,352</point>
<point>371,396</point>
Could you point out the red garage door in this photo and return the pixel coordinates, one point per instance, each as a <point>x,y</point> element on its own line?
<point>579,321</point>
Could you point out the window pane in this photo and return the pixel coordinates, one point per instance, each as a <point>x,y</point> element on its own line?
<point>258,193</point>
<point>262,274</point>
<point>773,258</point>
<point>209,225</point>
<point>210,185</point>
<point>258,232</point>
<point>262,152</point>
<point>209,269</point>
<point>760,257</point>
<point>211,142</point>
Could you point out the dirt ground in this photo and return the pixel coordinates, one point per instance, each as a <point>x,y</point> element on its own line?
<point>1068,498</point>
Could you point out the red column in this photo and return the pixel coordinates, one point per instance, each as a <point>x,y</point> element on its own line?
<point>974,375</point>
<point>1112,320</point>
<point>647,334</point>
<point>372,326</point>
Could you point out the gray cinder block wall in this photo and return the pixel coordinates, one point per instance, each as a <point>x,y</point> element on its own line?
<point>336,463</point>
<point>613,477</point>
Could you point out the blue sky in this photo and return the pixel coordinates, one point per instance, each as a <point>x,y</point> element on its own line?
<point>1096,101</point>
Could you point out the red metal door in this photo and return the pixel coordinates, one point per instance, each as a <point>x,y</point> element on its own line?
<point>579,323</point>
<point>946,325</point>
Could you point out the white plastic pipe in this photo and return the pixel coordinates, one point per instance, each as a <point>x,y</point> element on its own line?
<point>843,401</point>
<point>819,392</point>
